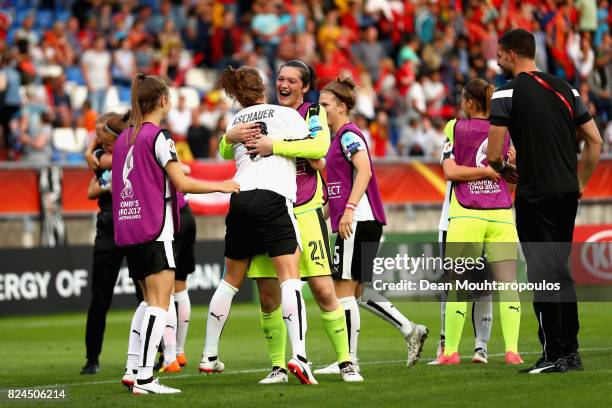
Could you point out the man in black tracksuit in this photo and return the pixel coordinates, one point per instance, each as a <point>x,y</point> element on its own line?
<point>544,116</point>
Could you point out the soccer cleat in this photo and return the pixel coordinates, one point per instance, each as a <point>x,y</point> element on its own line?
<point>277,376</point>
<point>90,368</point>
<point>543,366</point>
<point>153,387</point>
<point>301,371</point>
<point>453,359</point>
<point>574,362</point>
<point>415,341</point>
<point>513,358</point>
<point>182,359</point>
<point>129,378</point>
<point>333,368</point>
<point>173,367</point>
<point>481,357</point>
<point>209,366</point>
<point>439,352</point>
<point>159,363</point>
<point>348,372</point>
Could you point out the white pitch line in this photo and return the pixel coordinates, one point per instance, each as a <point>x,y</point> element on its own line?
<point>261,370</point>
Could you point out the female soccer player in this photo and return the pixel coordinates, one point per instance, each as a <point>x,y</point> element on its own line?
<point>179,311</point>
<point>107,257</point>
<point>357,215</point>
<point>480,217</point>
<point>146,175</point>
<point>294,80</point>
<point>260,219</point>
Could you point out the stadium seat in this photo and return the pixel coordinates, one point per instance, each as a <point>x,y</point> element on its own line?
<point>20,14</point>
<point>63,139</point>
<point>62,15</point>
<point>50,71</point>
<point>67,140</point>
<point>124,93</point>
<point>44,19</point>
<point>75,74</point>
<point>112,99</point>
<point>174,95</point>
<point>192,97</point>
<point>202,79</point>
<point>78,96</point>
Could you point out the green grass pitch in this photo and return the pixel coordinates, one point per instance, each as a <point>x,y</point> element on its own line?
<point>49,350</point>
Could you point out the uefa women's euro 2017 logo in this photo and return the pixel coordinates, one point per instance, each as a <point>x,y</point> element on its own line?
<point>128,166</point>
<point>481,155</point>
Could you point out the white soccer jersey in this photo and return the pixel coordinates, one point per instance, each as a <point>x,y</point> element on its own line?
<point>447,152</point>
<point>443,225</point>
<point>274,173</point>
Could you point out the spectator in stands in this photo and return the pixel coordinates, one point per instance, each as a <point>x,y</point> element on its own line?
<point>369,52</point>
<point>156,24</point>
<point>10,100</point>
<point>26,32</point>
<point>57,48</point>
<point>62,105</point>
<point>580,50</point>
<point>380,133</point>
<point>144,56</point>
<point>266,26</point>
<point>458,39</point>
<point>124,64</point>
<point>87,118</point>
<point>179,119</point>
<point>199,138</point>
<point>588,15</point>
<point>435,93</point>
<point>415,100</point>
<point>602,21</point>
<point>169,38</point>
<point>227,42</point>
<point>96,67</point>
<point>173,66</point>
<point>406,145</point>
<point>31,136</point>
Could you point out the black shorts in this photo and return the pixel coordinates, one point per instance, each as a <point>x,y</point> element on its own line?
<point>259,222</point>
<point>354,260</point>
<point>184,245</point>
<point>146,259</point>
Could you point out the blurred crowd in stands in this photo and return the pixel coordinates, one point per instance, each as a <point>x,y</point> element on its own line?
<point>64,62</point>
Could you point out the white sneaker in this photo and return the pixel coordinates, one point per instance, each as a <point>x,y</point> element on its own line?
<point>211,366</point>
<point>153,387</point>
<point>480,356</point>
<point>415,341</point>
<point>302,371</point>
<point>277,376</point>
<point>129,378</point>
<point>439,352</point>
<point>349,374</point>
<point>334,369</point>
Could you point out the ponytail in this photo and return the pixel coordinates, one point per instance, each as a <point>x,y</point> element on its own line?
<point>489,93</point>
<point>479,91</point>
<point>136,112</point>
<point>146,93</point>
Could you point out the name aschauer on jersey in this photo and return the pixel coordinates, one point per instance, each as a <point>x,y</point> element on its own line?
<point>253,116</point>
